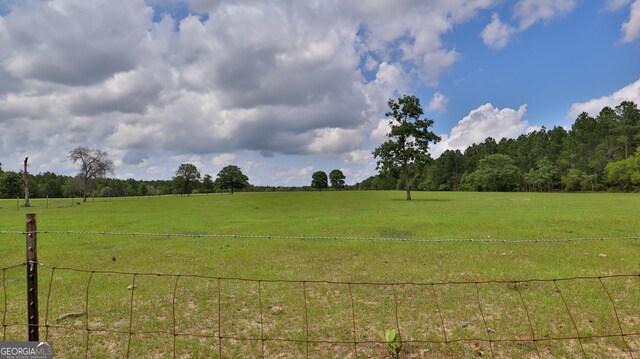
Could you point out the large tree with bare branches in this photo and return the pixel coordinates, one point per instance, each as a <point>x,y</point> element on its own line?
<point>93,164</point>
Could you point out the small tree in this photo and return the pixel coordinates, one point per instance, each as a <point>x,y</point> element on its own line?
<point>409,139</point>
<point>231,177</point>
<point>73,186</point>
<point>93,164</point>
<point>187,176</point>
<point>496,173</point>
<point>207,184</point>
<point>625,173</point>
<point>10,185</point>
<point>319,180</point>
<point>337,179</point>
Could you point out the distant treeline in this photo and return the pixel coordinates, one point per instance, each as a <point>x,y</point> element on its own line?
<point>58,186</point>
<point>597,154</point>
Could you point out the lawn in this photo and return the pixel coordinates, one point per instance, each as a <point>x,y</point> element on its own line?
<point>198,308</point>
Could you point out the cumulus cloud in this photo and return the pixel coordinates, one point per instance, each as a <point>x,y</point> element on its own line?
<point>631,27</point>
<point>335,140</point>
<point>439,102</point>
<point>497,34</point>
<point>261,77</point>
<point>292,175</point>
<point>358,157</point>
<point>379,133</point>
<point>630,92</point>
<point>482,122</point>
<point>223,159</point>
<point>85,50</point>
<point>527,12</point>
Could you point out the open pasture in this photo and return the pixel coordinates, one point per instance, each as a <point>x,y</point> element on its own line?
<point>348,304</point>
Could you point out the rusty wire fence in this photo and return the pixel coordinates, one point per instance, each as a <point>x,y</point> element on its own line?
<point>107,314</point>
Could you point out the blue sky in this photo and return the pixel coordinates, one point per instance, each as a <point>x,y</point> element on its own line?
<point>574,58</point>
<point>284,88</point>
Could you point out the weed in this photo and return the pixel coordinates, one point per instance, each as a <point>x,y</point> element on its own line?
<point>394,343</point>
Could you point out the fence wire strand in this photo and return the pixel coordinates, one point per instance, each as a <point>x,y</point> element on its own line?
<point>324,238</point>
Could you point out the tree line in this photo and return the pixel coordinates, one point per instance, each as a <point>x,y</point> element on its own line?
<point>91,181</point>
<point>596,154</point>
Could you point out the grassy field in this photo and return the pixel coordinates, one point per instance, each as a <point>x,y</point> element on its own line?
<point>276,309</point>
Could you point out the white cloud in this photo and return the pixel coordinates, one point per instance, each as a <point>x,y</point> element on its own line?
<point>497,34</point>
<point>482,122</point>
<point>528,12</point>
<point>358,157</point>
<point>86,50</point>
<point>379,134</point>
<point>630,92</point>
<point>614,5</point>
<point>251,78</point>
<point>631,27</point>
<point>335,140</point>
<point>439,102</point>
<point>292,176</point>
<point>223,159</point>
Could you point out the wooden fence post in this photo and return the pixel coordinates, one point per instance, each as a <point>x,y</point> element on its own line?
<point>32,277</point>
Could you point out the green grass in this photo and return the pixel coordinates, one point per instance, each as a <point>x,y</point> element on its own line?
<point>510,216</point>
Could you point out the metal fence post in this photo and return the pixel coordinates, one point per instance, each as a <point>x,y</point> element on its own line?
<point>32,277</point>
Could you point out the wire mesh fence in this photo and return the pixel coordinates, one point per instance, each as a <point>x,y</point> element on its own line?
<point>105,313</point>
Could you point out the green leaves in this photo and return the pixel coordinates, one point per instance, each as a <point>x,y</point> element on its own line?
<point>495,173</point>
<point>337,179</point>
<point>409,139</point>
<point>187,175</point>
<point>319,180</point>
<point>394,343</point>
<point>232,177</point>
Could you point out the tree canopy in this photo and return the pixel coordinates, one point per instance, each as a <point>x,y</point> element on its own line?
<point>409,139</point>
<point>570,159</point>
<point>207,184</point>
<point>495,173</point>
<point>336,177</point>
<point>231,177</point>
<point>186,178</point>
<point>319,180</point>
<point>94,164</point>
<point>10,184</point>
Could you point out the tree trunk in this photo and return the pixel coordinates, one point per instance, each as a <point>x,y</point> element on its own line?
<point>25,179</point>
<point>407,185</point>
<point>84,191</point>
<point>231,189</point>
<point>626,150</point>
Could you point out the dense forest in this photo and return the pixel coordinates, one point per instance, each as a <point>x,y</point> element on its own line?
<point>597,154</point>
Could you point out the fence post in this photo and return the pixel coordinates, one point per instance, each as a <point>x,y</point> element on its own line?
<point>32,277</point>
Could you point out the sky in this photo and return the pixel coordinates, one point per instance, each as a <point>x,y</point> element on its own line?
<point>284,88</point>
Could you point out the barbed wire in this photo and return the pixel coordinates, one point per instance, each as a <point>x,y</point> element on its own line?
<point>359,344</point>
<point>326,238</point>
